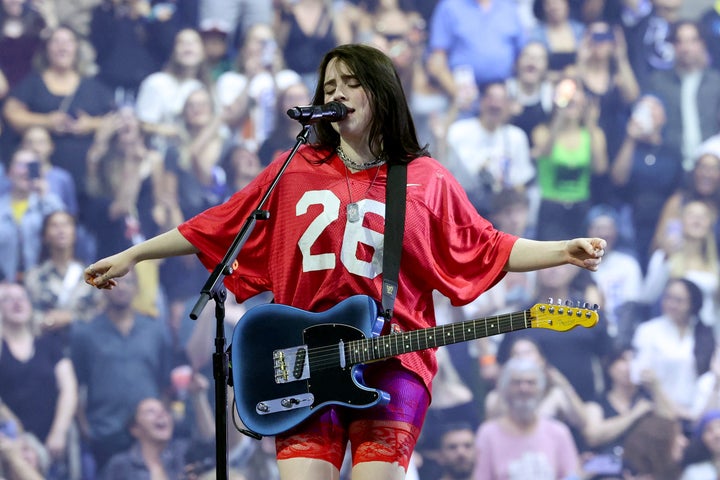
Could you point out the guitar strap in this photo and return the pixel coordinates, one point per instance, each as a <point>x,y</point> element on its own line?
<point>395,200</point>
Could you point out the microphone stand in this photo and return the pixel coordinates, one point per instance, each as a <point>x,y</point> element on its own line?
<point>215,289</point>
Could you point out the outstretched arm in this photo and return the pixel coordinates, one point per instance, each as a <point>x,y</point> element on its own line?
<point>102,273</point>
<point>527,255</point>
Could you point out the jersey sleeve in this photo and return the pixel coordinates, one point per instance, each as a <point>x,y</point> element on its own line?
<point>464,253</point>
<point>213,231</point>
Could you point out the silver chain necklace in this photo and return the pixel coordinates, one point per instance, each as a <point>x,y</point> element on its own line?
<point>359,166</point>
<point>353,209</point>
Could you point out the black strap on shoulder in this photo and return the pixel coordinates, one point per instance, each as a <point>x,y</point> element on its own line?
<point>394,230</point>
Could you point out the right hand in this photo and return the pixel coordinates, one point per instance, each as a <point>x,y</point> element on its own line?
<point>102,274</point>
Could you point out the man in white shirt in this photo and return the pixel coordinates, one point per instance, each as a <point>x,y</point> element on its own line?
<point>486,153</point>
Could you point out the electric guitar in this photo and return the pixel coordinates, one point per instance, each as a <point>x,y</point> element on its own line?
<point>288,363</point>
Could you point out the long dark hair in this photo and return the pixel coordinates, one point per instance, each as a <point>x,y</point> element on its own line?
<point>702,334</point>
<point>392,130</point>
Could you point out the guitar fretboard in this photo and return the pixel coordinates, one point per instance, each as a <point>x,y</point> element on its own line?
<point>385,346</point>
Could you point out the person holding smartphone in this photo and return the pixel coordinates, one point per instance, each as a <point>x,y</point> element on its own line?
<point>22,210</point>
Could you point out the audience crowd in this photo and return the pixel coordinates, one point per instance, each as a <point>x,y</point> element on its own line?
<point>119,119</point>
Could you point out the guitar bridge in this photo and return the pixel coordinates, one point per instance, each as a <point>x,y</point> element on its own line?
<point>291,364</point>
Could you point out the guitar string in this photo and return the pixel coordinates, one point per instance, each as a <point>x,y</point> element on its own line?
<point>321,355</point>
<point>327,357</point>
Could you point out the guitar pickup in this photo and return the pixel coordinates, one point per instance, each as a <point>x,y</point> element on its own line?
<point>284,404</point>
<point>289,360</point>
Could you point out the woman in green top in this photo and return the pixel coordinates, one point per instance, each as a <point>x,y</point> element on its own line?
<point>570,150</point>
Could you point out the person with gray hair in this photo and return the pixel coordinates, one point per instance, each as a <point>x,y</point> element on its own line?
<point>521,443</point>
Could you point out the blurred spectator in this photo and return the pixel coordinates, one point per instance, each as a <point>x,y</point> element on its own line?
<point>560,34</point>
<point>574,352</point>
<point>456,456</point>
<point>23,458</point>
<point>654,449</point>
<point>55,286</point>
<point>59,180</point>
<point>703,452</point>
<point>123,184</point>
<point>306,31</point>
<point>193,181</point>
<point>155,449</point>
<point>250,93</point>
<point>22,210</point>
<point>607,75</point>
<point>522,442</point>
<point>702,184</point>
<point>483,37</point>
<point>286,129</point>
<point>486,153</point>
<point>690,92</point>
<point>216,43</point>
<point>530,90</point>
<point>625,400</point>
<point>676,345</point>
<point>121,357</point>
<point>693,256</point>
<point>558,399</point>
<point>621,279</point>
<point>647,26</point>
<point>59,97</point>
<point>162,94</point>
<point>710,29</point>
<point>569,150</point>
<point>126,198</point>
<point>646,171</point>
<point>37,382</point>
<point>21,25</point>
<point>127,45</point>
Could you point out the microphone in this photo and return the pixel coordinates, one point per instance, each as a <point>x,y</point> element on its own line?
<point>331,112</point>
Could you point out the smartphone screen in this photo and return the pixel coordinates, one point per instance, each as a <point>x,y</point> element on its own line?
<point>34,170</point>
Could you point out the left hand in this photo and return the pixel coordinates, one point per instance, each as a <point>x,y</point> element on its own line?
<point>585,252</point>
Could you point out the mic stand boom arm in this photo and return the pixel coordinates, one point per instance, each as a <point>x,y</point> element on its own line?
<point>215,289</point>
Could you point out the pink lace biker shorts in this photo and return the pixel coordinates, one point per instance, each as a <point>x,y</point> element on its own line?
<point>386,433</point>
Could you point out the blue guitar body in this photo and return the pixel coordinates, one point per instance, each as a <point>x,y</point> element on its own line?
<point>287,363</point>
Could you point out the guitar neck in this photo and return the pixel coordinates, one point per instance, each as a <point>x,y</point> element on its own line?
<point>386,346</point>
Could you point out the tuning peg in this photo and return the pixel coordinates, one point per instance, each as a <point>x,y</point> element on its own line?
<point>568,303</point>
<point>586,305</point>
<point>550,300</point>
<point>596,307</point>
<point>559,301</point>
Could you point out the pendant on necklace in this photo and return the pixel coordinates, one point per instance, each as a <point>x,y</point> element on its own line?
<point>353,212</point>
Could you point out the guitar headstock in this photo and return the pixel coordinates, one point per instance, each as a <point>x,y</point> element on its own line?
<point>562,317</point>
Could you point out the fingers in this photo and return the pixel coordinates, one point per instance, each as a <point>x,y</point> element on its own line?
<point>99,277</point>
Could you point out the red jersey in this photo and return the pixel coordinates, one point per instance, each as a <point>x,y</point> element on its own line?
<point>310,256</point>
